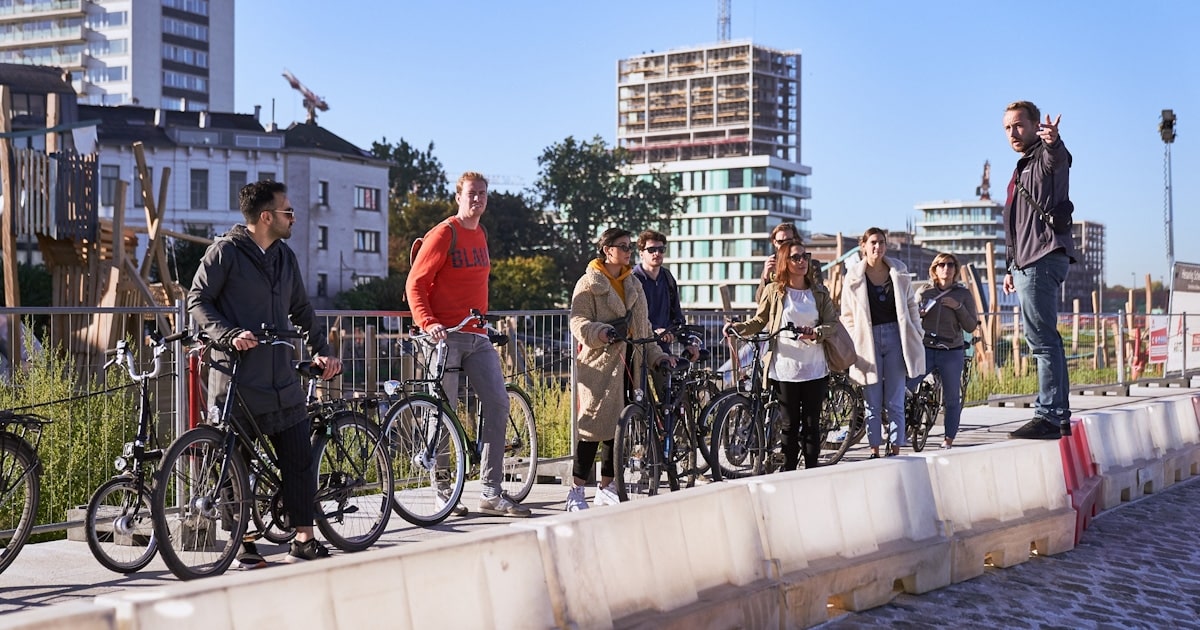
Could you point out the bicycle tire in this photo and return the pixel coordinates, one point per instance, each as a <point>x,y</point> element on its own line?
<point>638,466</point>
<point>918,426</point>
<point>681,461</point>
<point>842,422</point>
<point>266,511</point>
<point>695,404</point>
<point>202,535</point>
<point>520,446</point>
<point>772,452</point>
<point>354,482</point>
<point>20,472</point>
<point>737,441</point>
<point>704,423</point>
<point>118,525</point>
<point>417,462</point>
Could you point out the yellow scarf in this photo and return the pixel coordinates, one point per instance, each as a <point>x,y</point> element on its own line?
<point>618,282</point>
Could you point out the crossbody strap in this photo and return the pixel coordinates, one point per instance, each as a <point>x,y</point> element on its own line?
<point>1036,206</point>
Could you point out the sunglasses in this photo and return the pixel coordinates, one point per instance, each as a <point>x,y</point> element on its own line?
<point>797,258</point>
<point>945,264</point>
<point>781,242</point>
<point>657,249</point>
<point>622,246</point>
<point>291,212</point>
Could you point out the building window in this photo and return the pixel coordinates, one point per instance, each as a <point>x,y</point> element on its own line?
<point>366,198</point>
<point>181,80</point>
<point>189,30</point>
<point>199,190</point>
<point>323,193</point>
<point>109,176</point>
<point>199,7</point>
<point>266,176</point>
<point>322,284</point>
<point>366,241</point>
<point>322,237</point>
<point>183,54</point>
<point>237,179</point>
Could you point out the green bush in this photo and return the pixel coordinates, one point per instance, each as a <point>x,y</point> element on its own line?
<point>86,434</point>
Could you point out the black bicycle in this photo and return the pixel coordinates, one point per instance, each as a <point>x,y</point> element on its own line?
<point>118,525</point>
<point>216,478</point>
<point>20,480</point>
<point>921,410</point>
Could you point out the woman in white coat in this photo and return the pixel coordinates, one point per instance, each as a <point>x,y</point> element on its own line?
<point>879,309</point>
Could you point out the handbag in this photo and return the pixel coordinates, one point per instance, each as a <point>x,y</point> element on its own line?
<point>840,353</point>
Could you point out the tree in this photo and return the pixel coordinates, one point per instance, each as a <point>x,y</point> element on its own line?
<point>379,294</point>
<point>412,171</point>
<point>583,183</point>
<point>523,283</point>
<point>515,227</point>
<point>409,219</point>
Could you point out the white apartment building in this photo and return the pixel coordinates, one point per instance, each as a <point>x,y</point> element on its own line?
<point>725,118</point>
<point>172,54</point>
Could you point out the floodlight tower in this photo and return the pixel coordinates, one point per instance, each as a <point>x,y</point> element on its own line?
<point>1166,128</point>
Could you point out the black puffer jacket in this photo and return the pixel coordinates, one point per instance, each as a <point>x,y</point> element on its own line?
<point>1045,172</point>
<point>239,287</point>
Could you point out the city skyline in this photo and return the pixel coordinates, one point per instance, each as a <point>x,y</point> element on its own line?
<point>900,105</point>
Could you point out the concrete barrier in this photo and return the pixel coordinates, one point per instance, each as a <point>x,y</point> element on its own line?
<point>492,578</point>
<point>844,535</point>
<point>1176,436</point>
<point>1125,456</point>
<point>1079,471</point>
<point>73,616</point>
<point>679,552</point>
<point>1001,500</point>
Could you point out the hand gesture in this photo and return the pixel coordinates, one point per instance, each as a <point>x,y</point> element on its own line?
<point>768,267</point>
<point>1048,131</point>
<point>951,303</point>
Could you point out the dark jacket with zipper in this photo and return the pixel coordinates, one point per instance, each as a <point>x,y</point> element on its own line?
<point>944,326</point>
<point>240,287</point>
<point>1044,171</point>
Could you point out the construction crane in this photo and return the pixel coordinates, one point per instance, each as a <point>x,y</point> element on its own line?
<point>312,102</point>
<point>723,20</point>
<point>984,189</point>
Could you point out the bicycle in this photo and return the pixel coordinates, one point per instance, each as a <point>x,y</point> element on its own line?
<point>921,410</point>
<point>699,390</point>
<point>20,480</point>
<point>843,418</point>
<point>118,526</point>
<point>429,448</point>
<point>215,478</point>
<point>650,428</point>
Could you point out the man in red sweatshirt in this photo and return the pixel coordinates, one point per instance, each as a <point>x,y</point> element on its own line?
<point>449,278</point>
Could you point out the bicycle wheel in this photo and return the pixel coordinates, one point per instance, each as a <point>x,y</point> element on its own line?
<point>918,424</point>
<point>200,519</point>
<point>118,526</point>
<point>266,512</point>
<point>354,482</point>
<point>772,452</point>
<point>697,399</point>
<point>520,446</point>
<point>704,423</point>
<point>737,440</point>
<point>681,459</point>
<point>428,455</point>
<point>20,483</point>
<point>637,455</point>
<point>842,422</point>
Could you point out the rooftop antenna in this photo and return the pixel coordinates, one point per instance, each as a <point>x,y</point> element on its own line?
<point>312,102</point>
<point>723,20</point>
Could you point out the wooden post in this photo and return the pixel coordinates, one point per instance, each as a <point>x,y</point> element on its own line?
<point>118,225</point>
<point>53,109</point>
<point>1075,327</point>
<point>1098,360</point>
<point>8,231</point>
<point>1149,298</point>
<point>1017,358</point>
<point>154,212</point>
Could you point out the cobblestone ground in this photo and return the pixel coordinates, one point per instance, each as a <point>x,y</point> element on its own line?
<point>1138,566</point>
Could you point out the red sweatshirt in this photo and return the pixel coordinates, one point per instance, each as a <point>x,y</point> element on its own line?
<point>443,286</point>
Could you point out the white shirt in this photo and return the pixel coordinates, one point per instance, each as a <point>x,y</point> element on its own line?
<point>797,359</point>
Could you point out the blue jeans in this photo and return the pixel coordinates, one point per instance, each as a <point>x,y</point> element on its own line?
<point>948,364</point>
<point>1039,287</point>
<point>888,391</point>
<point>481,363</point>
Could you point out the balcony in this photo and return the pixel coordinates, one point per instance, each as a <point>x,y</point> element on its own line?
<point>62,35</point>
<point>45,9</point>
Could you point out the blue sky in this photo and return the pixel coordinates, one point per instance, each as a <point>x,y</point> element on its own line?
<point>901,102</point>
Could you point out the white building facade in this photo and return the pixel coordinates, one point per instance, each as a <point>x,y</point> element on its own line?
<point>174,54</point>
<point>725,119</point>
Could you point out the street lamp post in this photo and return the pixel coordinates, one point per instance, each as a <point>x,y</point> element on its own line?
<point>1166,128</point>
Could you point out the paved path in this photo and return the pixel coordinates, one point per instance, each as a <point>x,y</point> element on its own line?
<point>1137,566</point>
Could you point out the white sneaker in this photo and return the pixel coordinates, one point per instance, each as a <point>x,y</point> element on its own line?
<point>502,506</point>
<point>444,492</point>
<point>607,495</point>
<point>576,500</point>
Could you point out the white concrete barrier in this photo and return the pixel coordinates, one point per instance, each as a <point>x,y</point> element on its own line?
<point>845,534</point>
<point>1176,434</point>
<point>73,616</point>
<point>1001,499</point>
<point>614,565</point>
<point>1125,454</point>
<point>488,579</point>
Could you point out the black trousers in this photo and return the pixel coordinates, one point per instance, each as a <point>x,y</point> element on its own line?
<point>298,472</point>
<point>802,402</point>
<point>585,456</point>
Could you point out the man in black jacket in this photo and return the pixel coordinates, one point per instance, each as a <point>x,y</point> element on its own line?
<point>249,278</point>
<point>1038,257</point>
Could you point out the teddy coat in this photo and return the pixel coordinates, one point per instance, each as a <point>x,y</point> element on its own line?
<point>599,364</point>
<point>770,313</point>
<point>856,316</point>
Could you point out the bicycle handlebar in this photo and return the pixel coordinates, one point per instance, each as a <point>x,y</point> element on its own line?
<point>763,336</point>
<point>416,334</point>
<point>123,356</point>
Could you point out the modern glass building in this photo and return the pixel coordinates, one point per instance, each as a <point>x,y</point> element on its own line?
<point>170,54</point>
<point>725,118</point>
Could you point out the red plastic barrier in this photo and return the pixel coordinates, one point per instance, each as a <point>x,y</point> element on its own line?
<point>1079,471</point>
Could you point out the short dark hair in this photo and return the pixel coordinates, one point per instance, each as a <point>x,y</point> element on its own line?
<point>650,235</point>
<point>256,198</point>
<point>609,237</point>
